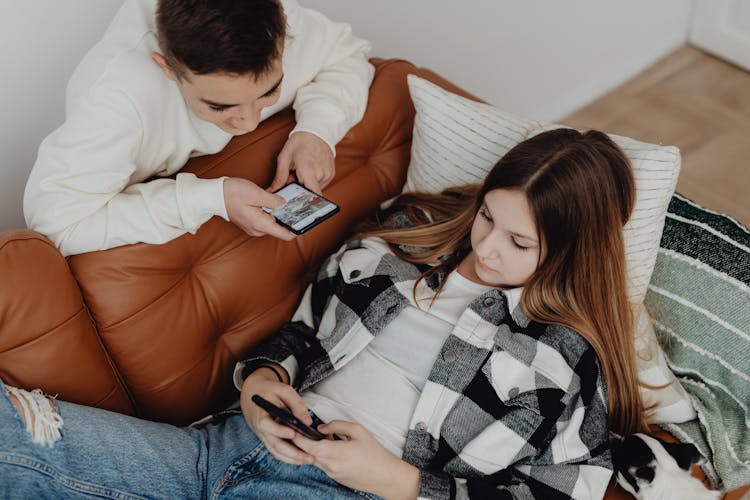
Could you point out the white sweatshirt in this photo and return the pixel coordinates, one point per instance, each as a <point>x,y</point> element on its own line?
<point>126,122</point>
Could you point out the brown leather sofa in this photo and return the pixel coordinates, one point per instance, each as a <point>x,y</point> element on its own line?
<point>155,330</point>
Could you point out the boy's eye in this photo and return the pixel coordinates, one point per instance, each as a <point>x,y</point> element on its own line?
<point>485,215</point>
<point>272,91</point>
<point>219,108</point>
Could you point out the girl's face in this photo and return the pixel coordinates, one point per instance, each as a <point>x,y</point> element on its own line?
<point>505,247</point>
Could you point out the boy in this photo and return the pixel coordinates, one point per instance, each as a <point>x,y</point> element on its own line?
<point>173,79</point>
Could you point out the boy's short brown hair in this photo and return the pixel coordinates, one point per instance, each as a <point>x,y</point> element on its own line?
<point>220,36</point>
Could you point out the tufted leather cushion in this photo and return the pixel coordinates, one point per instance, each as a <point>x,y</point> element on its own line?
<point>176,317</point>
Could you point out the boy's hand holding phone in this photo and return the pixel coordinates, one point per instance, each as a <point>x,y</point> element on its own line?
<point>303,210</point>
<point>244,201</point>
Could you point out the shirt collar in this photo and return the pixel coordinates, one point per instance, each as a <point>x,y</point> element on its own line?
<point>513,295</point>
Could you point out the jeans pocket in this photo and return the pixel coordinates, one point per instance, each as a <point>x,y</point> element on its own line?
<point>369,496</point>
<point>246,468</point>
<point>215,418</point>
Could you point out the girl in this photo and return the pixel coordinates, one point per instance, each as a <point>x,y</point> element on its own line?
<point>475,343</point>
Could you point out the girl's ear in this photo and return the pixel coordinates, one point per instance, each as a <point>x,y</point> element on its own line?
<point>161,61</point>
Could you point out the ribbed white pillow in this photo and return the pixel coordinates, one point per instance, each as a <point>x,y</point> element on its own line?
<point>456,141</point>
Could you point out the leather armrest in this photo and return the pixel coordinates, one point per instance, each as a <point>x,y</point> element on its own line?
<point>47,338</point>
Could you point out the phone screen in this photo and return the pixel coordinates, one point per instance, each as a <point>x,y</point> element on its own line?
<point>303,210</point>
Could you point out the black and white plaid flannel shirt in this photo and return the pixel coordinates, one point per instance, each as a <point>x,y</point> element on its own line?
<point>511,409</point>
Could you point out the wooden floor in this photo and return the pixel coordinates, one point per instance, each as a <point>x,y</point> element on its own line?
<point>698,103</point>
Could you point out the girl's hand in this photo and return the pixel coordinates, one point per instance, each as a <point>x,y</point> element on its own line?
<point>272,434</point>
<point>360,461</point>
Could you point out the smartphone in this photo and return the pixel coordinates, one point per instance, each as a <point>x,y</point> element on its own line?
<point>303,210</point>
<point>286,417</point>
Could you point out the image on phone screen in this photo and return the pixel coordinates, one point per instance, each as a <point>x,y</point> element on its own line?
<point>303,210</point>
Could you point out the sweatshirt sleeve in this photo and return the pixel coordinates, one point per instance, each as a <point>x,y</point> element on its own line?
<point>82,195</point>
<point>335,100</point>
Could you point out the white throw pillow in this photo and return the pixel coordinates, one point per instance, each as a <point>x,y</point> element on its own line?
<point>456,141</point>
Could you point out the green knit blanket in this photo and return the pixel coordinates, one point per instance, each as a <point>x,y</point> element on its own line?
<point>699,298</point>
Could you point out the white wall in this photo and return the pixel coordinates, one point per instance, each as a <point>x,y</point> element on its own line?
<point>538,58</point>
<point>41,41</point>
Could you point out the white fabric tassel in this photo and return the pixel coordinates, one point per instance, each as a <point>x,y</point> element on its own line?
<point>47,422</point>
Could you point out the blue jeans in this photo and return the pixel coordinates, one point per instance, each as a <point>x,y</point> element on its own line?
<point>108,455</point>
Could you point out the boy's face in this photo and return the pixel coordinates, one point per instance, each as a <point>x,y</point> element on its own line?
<point>231,102</point>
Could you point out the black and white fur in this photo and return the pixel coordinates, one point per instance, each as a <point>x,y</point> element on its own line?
<point>652,469</point>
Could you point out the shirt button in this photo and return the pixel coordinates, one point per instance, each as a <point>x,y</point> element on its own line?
<point>449,356</point>
<point>489,301</point>
<point>513,392</point>
<point>420,427</point>
<point>354,274</point>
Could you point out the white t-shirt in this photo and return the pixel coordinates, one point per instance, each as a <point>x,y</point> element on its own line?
<point>395,365</point>
<point>126,122</point>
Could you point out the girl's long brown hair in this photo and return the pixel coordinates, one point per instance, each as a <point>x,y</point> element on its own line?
<point>581,190</point>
